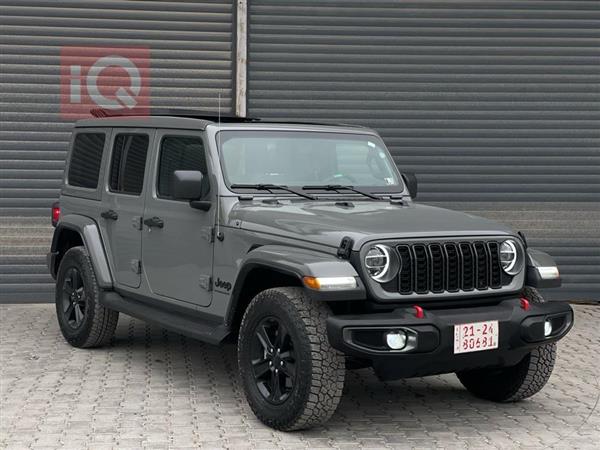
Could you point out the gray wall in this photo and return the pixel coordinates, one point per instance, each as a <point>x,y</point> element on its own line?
<point>494,105</point>
<point>191,62</point>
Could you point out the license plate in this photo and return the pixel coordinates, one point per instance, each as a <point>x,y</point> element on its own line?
<point>475,337</point>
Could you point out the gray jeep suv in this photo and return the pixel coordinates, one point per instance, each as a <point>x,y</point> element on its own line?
<point>304,242</point>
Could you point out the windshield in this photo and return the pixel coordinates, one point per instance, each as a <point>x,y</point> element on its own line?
<point>300,158</point>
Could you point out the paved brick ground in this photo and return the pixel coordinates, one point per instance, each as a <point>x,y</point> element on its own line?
<point>155,389</point>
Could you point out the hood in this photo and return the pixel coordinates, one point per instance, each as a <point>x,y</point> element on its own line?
<point>326,223</point>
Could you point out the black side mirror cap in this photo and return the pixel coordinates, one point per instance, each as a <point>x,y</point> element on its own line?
<point>202,205</point>
<point>411,183</point>
<point>187,184</point>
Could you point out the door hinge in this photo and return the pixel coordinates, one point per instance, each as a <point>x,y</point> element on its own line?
<point>205,282</point>
<point>136,266</point>
<point>136,222</point>
<point>208,233</point>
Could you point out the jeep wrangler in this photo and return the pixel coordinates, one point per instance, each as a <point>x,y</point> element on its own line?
<point>303,242</point>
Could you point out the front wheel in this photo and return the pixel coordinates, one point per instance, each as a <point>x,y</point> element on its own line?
<point>292,377</point>
<point>511,384</point>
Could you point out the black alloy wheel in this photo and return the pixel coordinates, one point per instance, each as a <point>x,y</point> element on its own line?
<point>83,321</point>
<point>292,377</point>
<point>273,360</point>
<point>74,302</point>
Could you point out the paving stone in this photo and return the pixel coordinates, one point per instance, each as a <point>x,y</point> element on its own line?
<point>152,389</point>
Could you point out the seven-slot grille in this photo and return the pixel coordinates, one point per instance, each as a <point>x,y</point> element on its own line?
<point>449,267</point>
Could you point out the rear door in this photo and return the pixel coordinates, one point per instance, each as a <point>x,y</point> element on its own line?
<point>123,203</point>
<point>177,245</point>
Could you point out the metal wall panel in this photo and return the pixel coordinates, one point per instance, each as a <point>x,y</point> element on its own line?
<point>191,44</point>
<point>494,105</point>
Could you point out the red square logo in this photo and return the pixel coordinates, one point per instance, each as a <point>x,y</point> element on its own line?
<point>116,79</point>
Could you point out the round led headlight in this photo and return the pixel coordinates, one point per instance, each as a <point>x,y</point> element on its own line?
<point>382,263</point>
<point>509,257</point>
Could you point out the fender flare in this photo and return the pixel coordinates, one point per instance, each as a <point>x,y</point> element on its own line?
<point>90,235</point>
<point>542,271</point>
<point>296,262</point>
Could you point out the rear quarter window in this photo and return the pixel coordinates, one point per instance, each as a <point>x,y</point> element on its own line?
<point>86,160</point>
<point>128,163</point>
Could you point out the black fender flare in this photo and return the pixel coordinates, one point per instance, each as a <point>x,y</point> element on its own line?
<point>297,263</point>
<point>89,232</point>
<point>539,270</point>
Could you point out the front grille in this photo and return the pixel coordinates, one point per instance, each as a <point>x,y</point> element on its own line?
<point>449,267</point>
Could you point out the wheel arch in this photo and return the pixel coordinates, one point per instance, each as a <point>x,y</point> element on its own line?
<point>252,279</point>
<point>74,230</point>
<point>272,266</point>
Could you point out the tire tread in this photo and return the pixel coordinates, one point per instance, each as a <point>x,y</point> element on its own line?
<point>328,365</point>
<point>524,380</point>
<point>104,321</point>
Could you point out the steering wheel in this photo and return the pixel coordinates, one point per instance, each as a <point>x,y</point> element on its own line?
<point>336,178</point>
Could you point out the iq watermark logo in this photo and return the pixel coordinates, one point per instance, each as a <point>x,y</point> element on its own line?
<point>116,79</point>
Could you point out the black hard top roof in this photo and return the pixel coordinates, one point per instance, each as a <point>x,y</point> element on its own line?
<point>211,116</point>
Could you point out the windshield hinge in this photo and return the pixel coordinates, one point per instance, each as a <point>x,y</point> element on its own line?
<point>397,201</point>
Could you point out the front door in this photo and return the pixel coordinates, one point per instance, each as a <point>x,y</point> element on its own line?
<point>177,245</point>
<point>123,203</point>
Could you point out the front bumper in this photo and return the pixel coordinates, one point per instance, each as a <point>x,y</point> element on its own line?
<point>432,344</point>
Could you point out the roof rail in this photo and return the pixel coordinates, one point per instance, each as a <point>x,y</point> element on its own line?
<point>212,117</point>
<point>174,112</point>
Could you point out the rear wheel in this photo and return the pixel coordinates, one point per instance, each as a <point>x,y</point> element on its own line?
<point>83,321</point>
<point>511,384</point>
<point>292,377</point>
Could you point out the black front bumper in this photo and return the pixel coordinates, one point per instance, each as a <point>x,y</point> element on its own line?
<point>431,349</point>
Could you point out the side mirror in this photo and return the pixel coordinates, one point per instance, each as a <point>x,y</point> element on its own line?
<point>187,185</point>
<point>411,183</point>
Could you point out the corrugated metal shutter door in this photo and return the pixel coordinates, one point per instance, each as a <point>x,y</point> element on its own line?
<point>494,105</point>
<point>191,62</point>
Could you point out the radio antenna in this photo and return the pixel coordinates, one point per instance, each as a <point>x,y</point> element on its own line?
<point>218,230</point>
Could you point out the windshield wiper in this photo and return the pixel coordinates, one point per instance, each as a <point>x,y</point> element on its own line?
<point>270,187</point>
<point>338,187</point>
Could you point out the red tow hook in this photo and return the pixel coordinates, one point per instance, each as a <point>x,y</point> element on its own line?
<point>525,304</point>
<point>419,313</point>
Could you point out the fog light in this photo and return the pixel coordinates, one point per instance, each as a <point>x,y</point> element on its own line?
<point>396,340</point>
<point>547,328</point>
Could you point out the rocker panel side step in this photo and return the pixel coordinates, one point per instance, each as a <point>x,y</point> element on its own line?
<point>192,325</point>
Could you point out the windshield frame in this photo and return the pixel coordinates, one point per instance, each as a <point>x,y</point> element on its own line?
<point>392,190</point>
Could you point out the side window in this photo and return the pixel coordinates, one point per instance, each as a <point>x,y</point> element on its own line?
<point>128,163</point>
<point>180,153</point>
<point>86,159</point>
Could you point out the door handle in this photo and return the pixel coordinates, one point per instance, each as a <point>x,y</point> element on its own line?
<point>154,222</point>
<point>109,215</point>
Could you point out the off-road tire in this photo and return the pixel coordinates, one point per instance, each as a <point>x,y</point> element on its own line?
<point>99,323</point>
<point>320,369</point>
<point>511,384</point>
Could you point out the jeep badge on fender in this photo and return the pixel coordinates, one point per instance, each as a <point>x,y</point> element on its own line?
<point>321,257</point>
<point>223,284</point>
